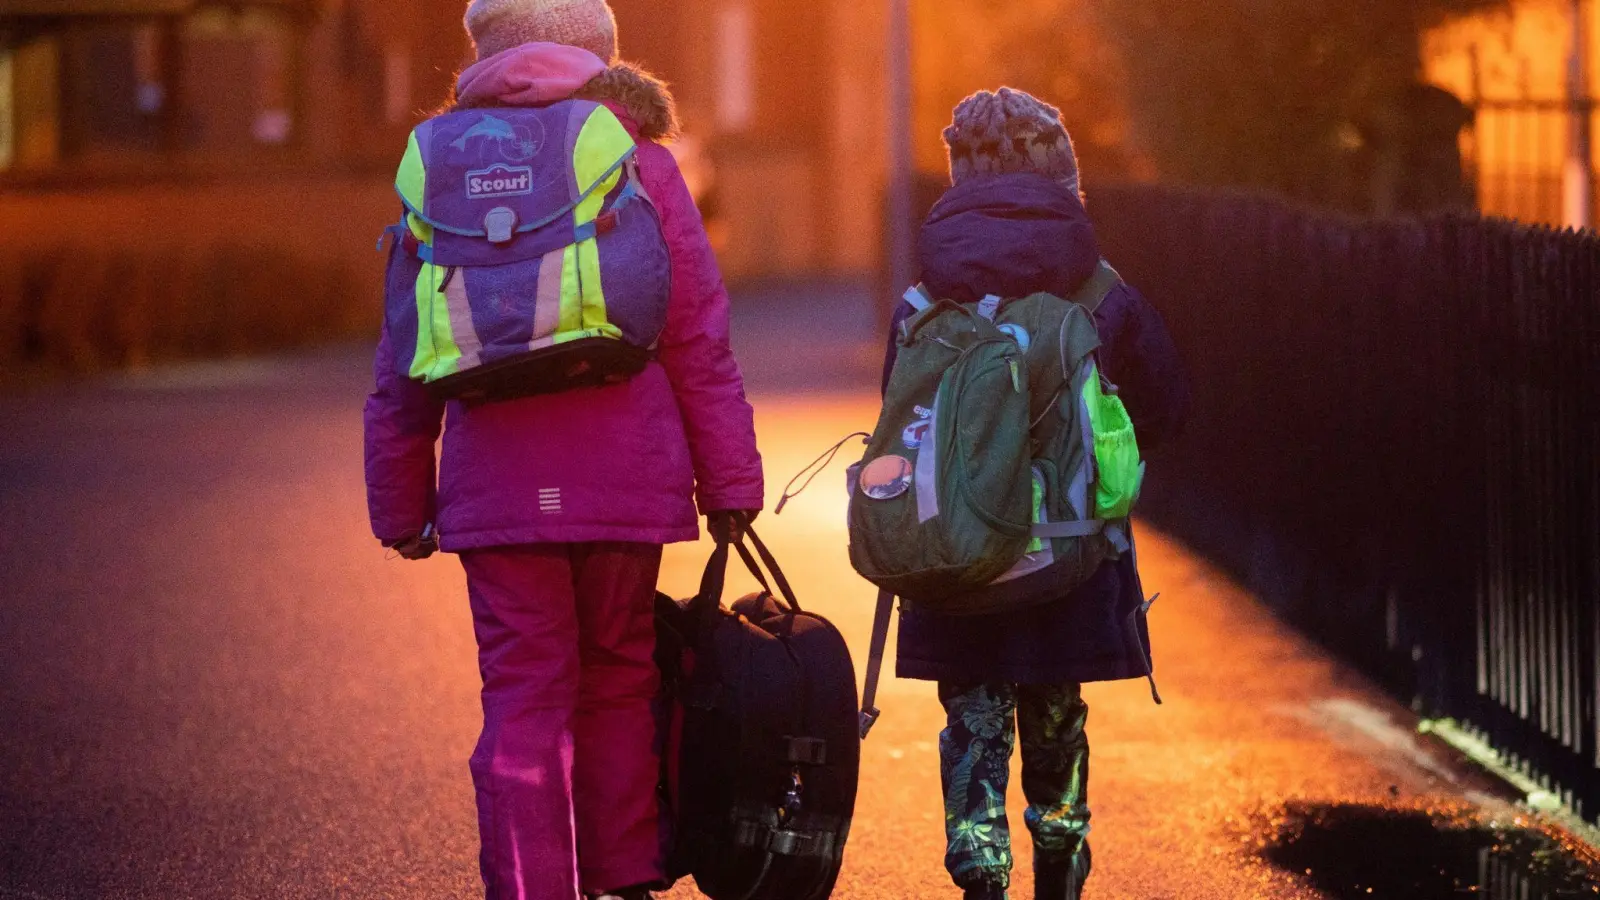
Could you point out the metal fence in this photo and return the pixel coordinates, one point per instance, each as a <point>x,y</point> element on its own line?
<point>1397,443</point>
<point>1518,153</point>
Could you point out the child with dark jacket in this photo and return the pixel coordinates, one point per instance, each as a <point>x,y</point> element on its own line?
<point>1014,224</point>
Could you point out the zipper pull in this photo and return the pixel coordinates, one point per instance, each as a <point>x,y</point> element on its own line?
<point>1016,374</point>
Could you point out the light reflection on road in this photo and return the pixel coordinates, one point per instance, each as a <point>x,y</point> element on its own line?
<point>222,688</point>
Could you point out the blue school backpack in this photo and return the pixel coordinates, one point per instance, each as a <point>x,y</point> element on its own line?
<point>529,258</point>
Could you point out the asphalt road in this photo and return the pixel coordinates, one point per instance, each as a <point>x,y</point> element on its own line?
<point>214,685</point>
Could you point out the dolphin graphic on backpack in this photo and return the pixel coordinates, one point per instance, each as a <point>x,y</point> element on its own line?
<point>487,126</point>
<point>529,259</point>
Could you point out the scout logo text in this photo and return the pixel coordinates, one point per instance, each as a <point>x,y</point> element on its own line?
<point>499,181</point>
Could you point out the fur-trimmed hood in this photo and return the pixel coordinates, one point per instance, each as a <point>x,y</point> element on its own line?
<point>646,98</point>
<point>541,74</point>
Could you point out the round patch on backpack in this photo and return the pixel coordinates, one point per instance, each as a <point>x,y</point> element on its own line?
<point>886,477</point>
<point>1019,334</point>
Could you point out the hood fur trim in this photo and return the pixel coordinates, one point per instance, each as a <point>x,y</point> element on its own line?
<point>646,98</point>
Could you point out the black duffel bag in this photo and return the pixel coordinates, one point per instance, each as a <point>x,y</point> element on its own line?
<point>761,740</point>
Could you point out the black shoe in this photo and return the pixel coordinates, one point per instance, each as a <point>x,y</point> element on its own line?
<point>985,892</point>
<point>1061,878</point>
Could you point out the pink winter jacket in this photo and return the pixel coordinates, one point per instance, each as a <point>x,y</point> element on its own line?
<point>622,463</point>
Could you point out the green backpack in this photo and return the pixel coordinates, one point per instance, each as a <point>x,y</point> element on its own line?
<point>1004,467</point>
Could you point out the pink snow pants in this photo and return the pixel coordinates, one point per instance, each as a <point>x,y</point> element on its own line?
<point>566,769</point>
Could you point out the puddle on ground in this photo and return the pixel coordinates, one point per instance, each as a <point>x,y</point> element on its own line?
<point>1375,853</point>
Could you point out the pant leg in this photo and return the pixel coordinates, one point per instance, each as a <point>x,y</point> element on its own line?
<point>1055,767</point>
<point>975,767</point>
<point>617,768</point>
<point>527,627</point>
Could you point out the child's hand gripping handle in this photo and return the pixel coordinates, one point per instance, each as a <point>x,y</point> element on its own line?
<point>419,547</point>
<point>728,526</point>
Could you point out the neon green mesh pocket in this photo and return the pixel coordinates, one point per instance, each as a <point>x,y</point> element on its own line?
<point>1116,453</point>
<point>1037,545</point>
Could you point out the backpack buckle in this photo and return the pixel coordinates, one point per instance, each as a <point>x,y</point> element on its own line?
<point>869,718</point>
<point>500,225</point>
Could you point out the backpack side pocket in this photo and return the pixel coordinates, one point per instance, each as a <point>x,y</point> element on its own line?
<point>1119,469</point>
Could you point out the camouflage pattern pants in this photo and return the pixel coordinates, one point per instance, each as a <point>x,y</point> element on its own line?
<point>975,762</point>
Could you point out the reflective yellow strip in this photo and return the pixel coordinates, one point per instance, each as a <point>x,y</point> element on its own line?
<point>422,362</point>
<point>601,142</point>
<point>594,295</point>
<point>571,292</point>
<point>412,179</point>
<point>437,353</point>
<point>447,356</point>
<point>583,311</point>
<point>421,230</point>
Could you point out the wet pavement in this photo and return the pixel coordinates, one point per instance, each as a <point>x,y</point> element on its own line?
<point>1354,851</point>
<point>213,685</point>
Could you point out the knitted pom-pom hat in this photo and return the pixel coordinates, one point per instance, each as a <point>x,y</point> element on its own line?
<point>500,25</point>
<point>1007,132</point>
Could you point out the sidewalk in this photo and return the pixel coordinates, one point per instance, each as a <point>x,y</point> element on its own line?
<point>279,712</point>
<point>1255,716</point>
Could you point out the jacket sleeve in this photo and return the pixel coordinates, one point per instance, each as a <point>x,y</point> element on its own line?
<point>695,349</point>
<point>402,425</point>
<point>1140,356</point>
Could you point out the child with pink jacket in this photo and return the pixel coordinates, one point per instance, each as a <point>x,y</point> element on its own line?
<point>559,505</point>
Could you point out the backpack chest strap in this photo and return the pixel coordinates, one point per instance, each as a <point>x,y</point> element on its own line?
<point>1081,529</point>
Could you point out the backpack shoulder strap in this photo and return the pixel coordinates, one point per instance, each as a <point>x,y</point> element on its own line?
<point>880,646</point>
<point>1099,286</point>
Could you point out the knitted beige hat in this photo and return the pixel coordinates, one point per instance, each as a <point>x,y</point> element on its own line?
<point>1007,132</point>
<point>499,25</point>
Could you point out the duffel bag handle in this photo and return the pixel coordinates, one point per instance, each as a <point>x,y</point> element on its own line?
<point>754,567</point>
<point>712,583</point>
<point>771,563</point>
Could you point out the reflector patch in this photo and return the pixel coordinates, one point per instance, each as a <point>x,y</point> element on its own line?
<point>550,501</point>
